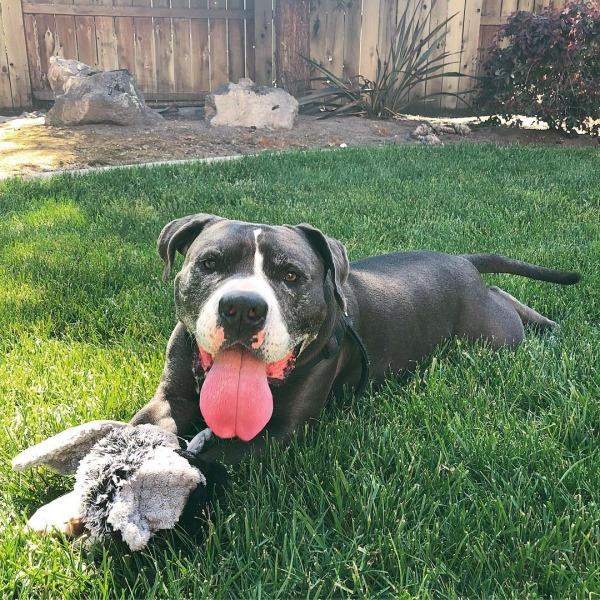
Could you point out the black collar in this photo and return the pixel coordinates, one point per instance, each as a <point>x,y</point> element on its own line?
<point>344,327</point>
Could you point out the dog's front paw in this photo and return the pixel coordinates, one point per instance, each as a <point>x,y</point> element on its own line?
<point>216,477</point>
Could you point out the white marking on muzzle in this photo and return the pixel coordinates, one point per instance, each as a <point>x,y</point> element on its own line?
<point>277,341</point>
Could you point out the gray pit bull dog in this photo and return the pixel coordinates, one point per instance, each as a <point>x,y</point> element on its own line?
<point>273,319</point>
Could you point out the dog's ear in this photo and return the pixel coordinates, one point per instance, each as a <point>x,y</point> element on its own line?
<point>335,258</point>
<point>178,235</point>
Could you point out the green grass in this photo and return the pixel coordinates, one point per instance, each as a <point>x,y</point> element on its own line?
<point>478,476</point>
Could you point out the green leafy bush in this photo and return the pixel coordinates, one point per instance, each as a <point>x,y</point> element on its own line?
<point>547,66</point>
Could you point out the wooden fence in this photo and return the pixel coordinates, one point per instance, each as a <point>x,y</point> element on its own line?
<point>181,49</point>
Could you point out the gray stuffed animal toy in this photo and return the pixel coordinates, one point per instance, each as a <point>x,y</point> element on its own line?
<point>130,481</point>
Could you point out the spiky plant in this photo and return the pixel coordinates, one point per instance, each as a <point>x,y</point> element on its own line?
<point>413,57</point>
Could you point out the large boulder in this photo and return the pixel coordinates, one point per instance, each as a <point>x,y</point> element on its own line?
<point>245,104</point>
<point>85,95</point>
<point>62,69</point>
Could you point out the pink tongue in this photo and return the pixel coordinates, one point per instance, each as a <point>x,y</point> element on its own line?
<point>235,399</point>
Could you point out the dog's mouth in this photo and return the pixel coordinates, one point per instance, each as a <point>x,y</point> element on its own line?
<point>235,398</point>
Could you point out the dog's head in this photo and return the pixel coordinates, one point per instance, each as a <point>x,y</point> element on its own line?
<point>257,291</point>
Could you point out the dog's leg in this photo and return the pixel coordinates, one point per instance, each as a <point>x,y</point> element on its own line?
<point>526,313</point>
<point>174,406</point>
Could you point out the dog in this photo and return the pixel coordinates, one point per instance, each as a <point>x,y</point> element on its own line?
<point>273,320</point>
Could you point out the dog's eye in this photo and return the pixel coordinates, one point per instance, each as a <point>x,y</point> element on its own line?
<point>291,277</point>
<point>210,264</point>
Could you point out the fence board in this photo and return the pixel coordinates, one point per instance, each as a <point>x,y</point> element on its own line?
<point>369,38</point>
<point>163,53</point>
<point>263,41</point>
<point>219,72</point>
<point>352,34</point>
<point>438,14</point>
<point>65,36</point>
<point>454,47</point>
<point>470,50</point>
<point>5,89</point>
<point>106,43</point>
<point>16,52</point>
<point>318,32</point>
<point>334,46</point>
<point>125,34</point>
<point>144,48</point>
<point>236,43</point>
<point>182,57</point>
<point>199,50</point>
<point>249,42</point>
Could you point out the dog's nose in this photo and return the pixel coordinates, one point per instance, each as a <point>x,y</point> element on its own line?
<point>244,312</point>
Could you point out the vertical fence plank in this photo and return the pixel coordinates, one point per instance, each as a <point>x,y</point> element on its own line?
<point>199,50</point>
<point>318,31</point>
<point>5,89</point>
<point>387,25</point>
<point>334,44</point>
<point>263,41</point>
<point>291,44</point>
<point>85,27</point>
<point>16,52</point>
<point>235,43</point>
<point>352,32</point>
<point>249,41</point>
<point>145,50</point>
<point>125,34</point>
<point>106,41</point>
<point>370,38</point>
<point>470,53</point>
<point>439,13</point>
<point>219,72</point>
<point>163,43</point>
<point>182,51</point>
<point>454,47</point>
<point>430,18</point>
<point>66,39</point>
<point>33,54</point>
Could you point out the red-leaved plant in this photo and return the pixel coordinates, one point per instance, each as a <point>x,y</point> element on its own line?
<point>547,66</point>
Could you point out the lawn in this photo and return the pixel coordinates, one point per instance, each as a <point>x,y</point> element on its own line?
<point>478,475</point>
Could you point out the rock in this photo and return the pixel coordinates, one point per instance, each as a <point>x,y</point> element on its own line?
<point>245,104</point>
<point>99,97</point>
<point>62,69</point>
<point>430,140</point>
<point>443,128</point>
<point>461,129</point>
<point>421,130</point>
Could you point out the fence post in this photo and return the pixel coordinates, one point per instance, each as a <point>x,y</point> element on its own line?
<point>291,43</point>
<point>263,41</point>
<point>16,52</point>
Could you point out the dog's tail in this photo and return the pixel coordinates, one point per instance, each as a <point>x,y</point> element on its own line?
<point>494,263</point>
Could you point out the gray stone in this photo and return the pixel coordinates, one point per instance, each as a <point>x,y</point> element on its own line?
<point>245,104</point>
<point>62,69</point>
<point>430,140</point>
<point>100,97</point>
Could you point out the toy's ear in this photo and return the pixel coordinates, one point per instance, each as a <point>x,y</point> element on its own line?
<point>63,451</point>
<point>178,235</point>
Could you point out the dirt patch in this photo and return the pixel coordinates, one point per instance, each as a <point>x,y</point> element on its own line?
<point>28,146</point>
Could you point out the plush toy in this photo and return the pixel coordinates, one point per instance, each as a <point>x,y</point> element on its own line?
<point>130,481</point>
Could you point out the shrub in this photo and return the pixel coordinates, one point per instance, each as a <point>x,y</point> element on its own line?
<point>547,66</point>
